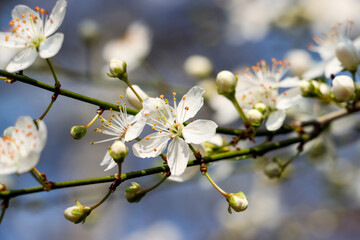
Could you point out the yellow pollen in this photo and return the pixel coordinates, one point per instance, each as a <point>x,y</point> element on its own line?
<point>159,117</point>
<point>6,38</point>
<point>178,124</point>
<point>154,124</point>
<point>153,128</point>
<point>155,149</point>
<point>175,115</point>
<point>24,21</point>
<point>147,138</point>
<point>146,114</point>
<point>174,99</point>
<point>121,96</point>
<point>37,9</point>
<point>91,143</point>
<point>22,15</point>
<point>174,93</point>
<point>157,107</point>
<point>42,11</point>
<point>186,108</point>
<point>117,102</point>
<point>161,96</point>
<point>184,97</point>
<point>171,136</point>
<point>160,131</point>
<point>111,109</point>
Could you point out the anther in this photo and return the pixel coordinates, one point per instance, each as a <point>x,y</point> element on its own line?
<point>147,138</point>
<point>186,108</point>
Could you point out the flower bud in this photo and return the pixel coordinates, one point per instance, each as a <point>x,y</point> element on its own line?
<point>342,88</point>
<point>226,82</point>
<point>324,89</point>
<point>347,54</point>
<point>198,66</point>
<point>133,99</point>
<point>254,117</point>
<point>89,30</point>
<point>260,107</point>
<point>118,151</point>
<point>272,170</point>
<point>117,68</point>
<point>237,201</point>
<point>134,193</point>
<point>77,132</point>
<point>77,213</point>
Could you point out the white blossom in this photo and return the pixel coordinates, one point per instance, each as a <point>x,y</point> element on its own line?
<point>21,146</point>
<point>169,125</point>
<point>343,88</point>
<point>32,32</point>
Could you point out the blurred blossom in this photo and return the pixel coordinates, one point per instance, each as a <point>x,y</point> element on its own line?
<point>198,66</point>
<point>89,30</point>
<point>132,47</point>
<point>300,60</point>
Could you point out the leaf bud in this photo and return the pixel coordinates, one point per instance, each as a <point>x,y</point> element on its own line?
<point>134,193</point>
<point>77,132</point>
<point>343,88</point>
<point>237,201</point>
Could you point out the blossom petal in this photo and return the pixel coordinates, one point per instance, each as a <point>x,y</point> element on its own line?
<point>135,130</point>
<point>42,134</point>
<point>146,148</point>
<point>288,98</point>
<point>22,60</point>
<point>192,101</point>
<point>28,162</point>
<point>189,173</point>
<point>56,18</point>
<point>178,156</point>
<point>108,160</point>
<point>333,67</point>
<point>51,46</point>
<point>289,82</point>
<point>275,120</point>
<point>199,131</point>
<point>6,41</point>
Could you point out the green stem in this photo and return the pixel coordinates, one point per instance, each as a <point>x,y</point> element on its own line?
<point>216,186</point>
<point>239,109</point>
<point>57,83</point>
<point>39,180</point>
<point>47,109</point>
<point>102,200</point>
<point>126,80</point>
<point>156,185</point>
<point>193,149</point>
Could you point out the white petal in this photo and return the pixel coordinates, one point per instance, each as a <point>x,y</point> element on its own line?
<point>112,164</point>
<point>275,120</point>
<point>42,134</point>
<point>333,67</point>
<point>177,156</point>
<point>6,55</point>
<point>314,72</point>
<point>193,100</point>
<point>56,18</point>
<point>135,130</point>
<point>199,131</point>
<point>289,82</point>
<point>28,162</point>
<point>107,159</point>
<point>51,46</point>
<point>146,148</point>
<point>22,60</point>
<point>9,43</point>
<point>189,173</point>
<point>288,98</point>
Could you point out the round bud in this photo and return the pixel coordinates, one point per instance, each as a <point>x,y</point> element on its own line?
<point>117,68</point>
<point>198,66</point>
<point>118,151</point>
<point>226,82</point>
<point>342,88</point>
<point>77,214</point>
<point>133,99</point>
<point>237,201</point>
<point>261,107</point>
<point>134,193</point>
<point>89,30</point>
<point>272,170</point>
<point>347,54</point>
<point>305,87</point>
<point>324,89</point>
<point>254,117</point>
<point>77,132</point>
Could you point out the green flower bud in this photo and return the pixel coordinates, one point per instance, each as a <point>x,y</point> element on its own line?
<point>272,170</point>
<point>117,68</point>
<point>78,213</point>
<point>237,201</point>
<point>134,193</point>
<point>118,151</point>
<point>77,132</point>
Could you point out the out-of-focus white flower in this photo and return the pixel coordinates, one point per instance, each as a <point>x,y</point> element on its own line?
<point>169,123</point>
<point>21,146</point>
<point>300,60</point>
<point>198,66</point>
<point>31,33</point>
<point>133,99</point>
<point>336,44</point>
<point>343,88</point>
<point>132,47</point>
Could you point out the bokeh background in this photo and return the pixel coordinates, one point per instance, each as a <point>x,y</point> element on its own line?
<point>318,198</point>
